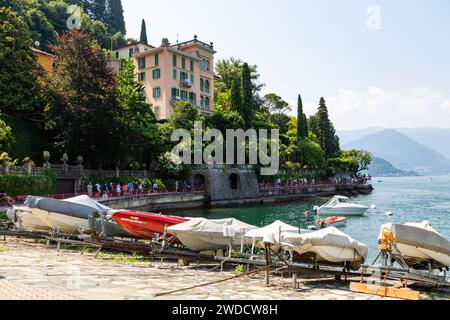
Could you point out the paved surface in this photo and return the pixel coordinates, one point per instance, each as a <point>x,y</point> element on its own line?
<point>32,271</point>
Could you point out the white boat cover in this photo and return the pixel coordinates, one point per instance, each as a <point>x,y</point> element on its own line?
<point>88,201</point>
<point>271,233</point>
<point>72,209</point>
<point>226,227</point>
<point>418,235</point>
<point>330,244</point>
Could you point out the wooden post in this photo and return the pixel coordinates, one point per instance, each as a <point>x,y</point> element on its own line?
<point>267,247</point>
<point>294,281</point>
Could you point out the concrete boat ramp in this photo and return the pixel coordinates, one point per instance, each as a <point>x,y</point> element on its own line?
<point>31,270</point>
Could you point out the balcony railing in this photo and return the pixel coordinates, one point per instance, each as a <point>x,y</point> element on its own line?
<point>185,83</point>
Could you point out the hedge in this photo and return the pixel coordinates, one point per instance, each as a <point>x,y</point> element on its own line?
<point>14,185</point>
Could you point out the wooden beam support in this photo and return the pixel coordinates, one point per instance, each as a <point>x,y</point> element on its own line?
<point>385,291</point>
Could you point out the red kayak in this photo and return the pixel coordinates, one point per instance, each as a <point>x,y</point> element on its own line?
<point>144,225</point>
<point>332,221</point>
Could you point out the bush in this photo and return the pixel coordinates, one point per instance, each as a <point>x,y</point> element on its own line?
<point>15,185</point>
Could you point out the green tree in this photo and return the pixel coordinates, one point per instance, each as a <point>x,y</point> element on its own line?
<point>115,20</point>
<point>131,97</point>
<point>236,97</point>
<point>83,113</point>
<point>248,106</point>
<point>311,154</point>
<point>325,132</point>
<point>184,115</point>
<point>98,10</point>
<point>143,38</point>
<point>18,72</point>
<point>227,70</point>
<point>275,104</point>
<point>302,124</point>
<point>6,137</point>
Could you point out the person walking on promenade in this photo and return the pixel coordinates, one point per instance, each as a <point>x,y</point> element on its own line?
<point>176,186</point>
<point>90,187</point>
<point>155,187</point>
<point>118,189</point>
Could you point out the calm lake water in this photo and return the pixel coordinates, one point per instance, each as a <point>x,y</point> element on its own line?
<point>411,199</point>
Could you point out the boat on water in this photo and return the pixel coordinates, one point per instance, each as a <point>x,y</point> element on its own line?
<point>199,234</point>
<point>341,206</point>
<point>330,246</point>
<point>145,225</point>
<point>337,222</point>
<point>419,245</point>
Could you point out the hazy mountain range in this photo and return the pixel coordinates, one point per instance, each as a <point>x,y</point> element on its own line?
<point>423,150</point>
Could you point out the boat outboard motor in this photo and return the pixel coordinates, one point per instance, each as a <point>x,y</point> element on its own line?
<point>316,210</point>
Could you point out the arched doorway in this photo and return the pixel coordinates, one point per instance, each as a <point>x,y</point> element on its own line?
<point>199,182</point>
<point>234,181</point>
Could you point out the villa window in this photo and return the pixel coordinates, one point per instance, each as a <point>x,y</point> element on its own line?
<point>192,78</point>
<point>156,73</point>
<point>174,60</point>
<point>183,76</point>
<point>192,98</point>
<point>141,76</point>
<point>157,59</point>
<point>192,65</point>
<point>207,86</point>
<point>183,62</point>
<point>175,93</point>
<point>157,92</point>
<point>130,52</point>
<point>174,74</point>
<point>202,85</point>
<point>207,103</point>
<point>184,95</point>
<point>141,63</point>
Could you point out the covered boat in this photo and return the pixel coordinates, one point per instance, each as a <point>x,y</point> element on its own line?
<point>341,206</point>
<point>145,225</point>
<point>24,219</point>
<point>330,246</point>
<point>417,244</point>
<point>271,234</point>
<point>200,234</point>
<point>68,216</point>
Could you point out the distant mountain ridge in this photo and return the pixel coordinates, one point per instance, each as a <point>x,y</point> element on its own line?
<point>403,152</point>
<point>382,168</point>
<point>437,139</point>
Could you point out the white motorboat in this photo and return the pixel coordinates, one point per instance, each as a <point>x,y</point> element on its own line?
<point>418,244</point>
<point>328,245</point>
<point>24,219</point>
<point>341,206</point>
<point>200,234</point>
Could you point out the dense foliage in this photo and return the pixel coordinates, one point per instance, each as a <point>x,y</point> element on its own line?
<point>15,185</point>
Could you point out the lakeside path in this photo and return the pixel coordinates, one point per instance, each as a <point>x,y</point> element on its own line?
<point>30,270</point>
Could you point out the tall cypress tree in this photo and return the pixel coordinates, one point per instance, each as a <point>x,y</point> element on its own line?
<point>143,38</point>
<point>235,96</point>
<point>98,10</point>
<point>116,21</point>
<point>327,134</point>
<point>302,130</point>
<point>247,95</point>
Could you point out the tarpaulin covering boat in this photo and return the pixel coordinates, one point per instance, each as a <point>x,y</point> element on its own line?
<point>200,234</point>
<point>69,215</point>
<point>418,244</point>
<point>327,245</point>
<point>145,225</point>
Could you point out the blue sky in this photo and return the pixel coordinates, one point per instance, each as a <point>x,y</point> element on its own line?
<point>394,76</point>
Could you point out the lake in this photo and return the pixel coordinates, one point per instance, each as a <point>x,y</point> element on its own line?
<point>411,199</point>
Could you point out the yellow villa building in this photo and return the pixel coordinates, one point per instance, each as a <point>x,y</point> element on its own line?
<point>172,73</point>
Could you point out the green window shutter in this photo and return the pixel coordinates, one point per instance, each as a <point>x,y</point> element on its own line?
<point>156,92</point>
<point>174,74</point>
<point>174,60</point>
<point>192,78</point>
<point>183,62</point>
<point>156,73</point>
<point>141,76</point>
<point>157,59</point>
<point>192,65</point>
